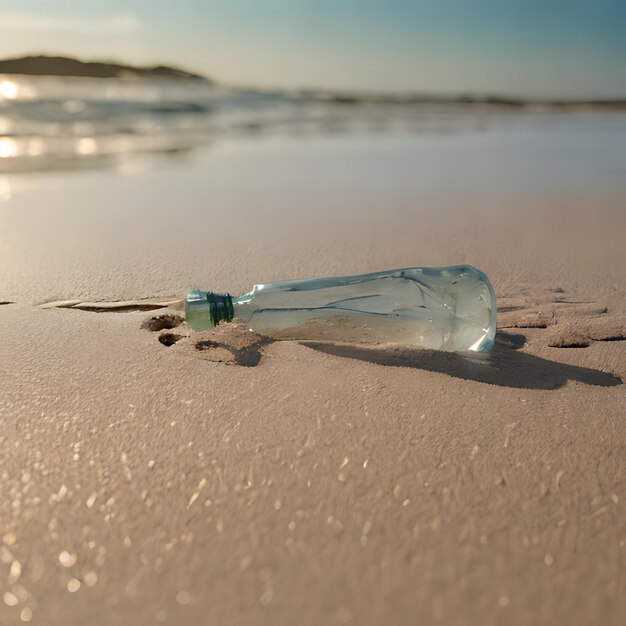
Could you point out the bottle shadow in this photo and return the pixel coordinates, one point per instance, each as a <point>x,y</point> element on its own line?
<point>504,366</point>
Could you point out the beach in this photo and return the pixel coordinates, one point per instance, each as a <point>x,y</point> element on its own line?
<point>314,483</point>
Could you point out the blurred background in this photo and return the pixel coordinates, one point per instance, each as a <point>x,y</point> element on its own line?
<point>148,147</point>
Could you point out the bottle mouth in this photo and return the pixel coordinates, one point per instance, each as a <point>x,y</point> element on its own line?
<point>205,310</point>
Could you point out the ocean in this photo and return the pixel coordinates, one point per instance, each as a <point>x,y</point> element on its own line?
<point>66,123</point>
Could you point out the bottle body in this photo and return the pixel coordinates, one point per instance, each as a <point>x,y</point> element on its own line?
<point>451,308</point>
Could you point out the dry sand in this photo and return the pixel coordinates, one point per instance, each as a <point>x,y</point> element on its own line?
<point>301,483</point>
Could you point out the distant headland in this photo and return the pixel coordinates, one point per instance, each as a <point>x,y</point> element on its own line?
<point>43,65</point>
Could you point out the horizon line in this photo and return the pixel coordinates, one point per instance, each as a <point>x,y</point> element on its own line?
<point>341,94</point>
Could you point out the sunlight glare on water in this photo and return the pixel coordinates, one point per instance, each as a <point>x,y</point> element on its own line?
<point>8,89</point>
<point>8,148</point>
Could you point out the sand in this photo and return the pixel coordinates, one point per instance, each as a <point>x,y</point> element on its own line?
<point>222,479</point>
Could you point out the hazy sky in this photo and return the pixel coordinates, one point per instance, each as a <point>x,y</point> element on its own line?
<point>562,48</point>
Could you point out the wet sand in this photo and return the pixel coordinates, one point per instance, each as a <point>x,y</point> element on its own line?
<point>149,481</point>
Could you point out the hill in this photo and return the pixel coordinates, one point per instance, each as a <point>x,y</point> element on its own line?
<point>64,66</point>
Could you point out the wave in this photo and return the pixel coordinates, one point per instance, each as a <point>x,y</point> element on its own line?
<point>48,122</point>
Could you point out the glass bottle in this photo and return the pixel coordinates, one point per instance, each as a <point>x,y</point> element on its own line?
<point>445,308</point>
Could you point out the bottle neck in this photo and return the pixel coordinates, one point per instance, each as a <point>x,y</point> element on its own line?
<point>205,309</point>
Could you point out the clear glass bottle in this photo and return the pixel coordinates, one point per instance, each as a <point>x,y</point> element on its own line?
<point>446,308</point>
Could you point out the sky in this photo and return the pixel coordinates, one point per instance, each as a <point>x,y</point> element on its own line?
<point>529,48</point>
